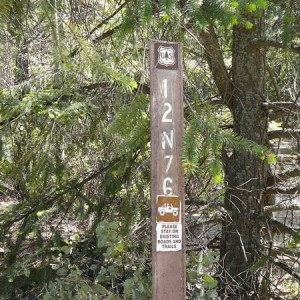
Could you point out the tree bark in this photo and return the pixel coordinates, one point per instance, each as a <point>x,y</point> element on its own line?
<point>215,60</point>
<point>22,63</point>
<point>245,174</point>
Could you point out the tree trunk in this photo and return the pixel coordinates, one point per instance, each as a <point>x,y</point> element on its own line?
<point>245,173</point>
<point>22,63</point>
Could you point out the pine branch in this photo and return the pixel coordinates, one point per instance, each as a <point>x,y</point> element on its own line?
<point>95,86</point>
<point>263,43</point>
<point>106,34</point>
<point>105,21</point>
<point>97,39</point>
<point>48,200</point>
<point>11,120</point>
<point>144,88</point>
<point>102,23</point>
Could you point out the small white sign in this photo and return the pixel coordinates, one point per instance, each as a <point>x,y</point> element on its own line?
<point>168,237</point>
<point>166,56</point>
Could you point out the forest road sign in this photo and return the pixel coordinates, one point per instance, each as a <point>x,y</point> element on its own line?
<point>167,182</point>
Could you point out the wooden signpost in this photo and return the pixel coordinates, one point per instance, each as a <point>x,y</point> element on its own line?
<point>168,237</point>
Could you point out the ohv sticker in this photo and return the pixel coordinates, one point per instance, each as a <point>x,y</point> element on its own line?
<point>168,209</point>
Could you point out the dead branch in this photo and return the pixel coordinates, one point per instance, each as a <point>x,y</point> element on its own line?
<point>281,207</point>
<point>279,134</point>
<point>282,105</point>
<point>286,268</point>
<point>214,206</point>
<point>277,227</point>
<point>282,191</point>
<point>280,109</point>
<point>279,178</point>
<point>280,251</point>
<point>106,34</point>
<point>264,43</point>
<point>279,113</point>
<point>271,74</point>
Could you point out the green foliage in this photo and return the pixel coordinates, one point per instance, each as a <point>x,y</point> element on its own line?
<point>225,13</point>
<point>109,280</point>
<point>71,285</point>
<point>201,284</point>
<point>234,4</point>
<point>146,11</point>
<point>134,132</point>
<point>248,25</point>
<point>259,264</point>
<point>271,159</point>
<point>129,23</point>
<point>191,150</point>
<point>203,144</point>
<point>137,287</point>
<point>167,5</point>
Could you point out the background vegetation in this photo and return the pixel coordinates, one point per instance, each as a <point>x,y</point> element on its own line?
<point>75,147</point>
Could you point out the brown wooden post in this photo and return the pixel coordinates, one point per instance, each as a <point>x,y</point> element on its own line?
<point>167,186</point>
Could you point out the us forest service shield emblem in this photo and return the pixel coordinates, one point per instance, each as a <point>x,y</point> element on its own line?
<point>166,56</point>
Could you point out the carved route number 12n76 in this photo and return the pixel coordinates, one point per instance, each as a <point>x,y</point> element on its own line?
<point>167,141</point>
